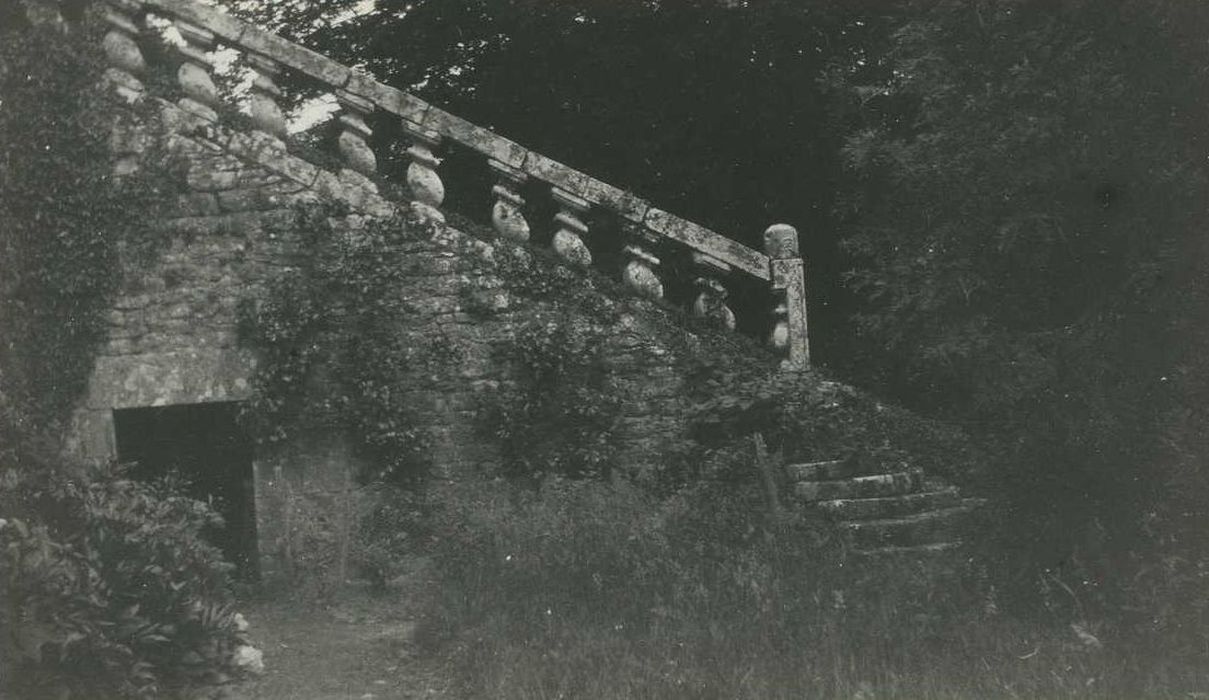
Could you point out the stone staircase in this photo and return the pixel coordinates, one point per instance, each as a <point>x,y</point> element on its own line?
<point>900,512</point>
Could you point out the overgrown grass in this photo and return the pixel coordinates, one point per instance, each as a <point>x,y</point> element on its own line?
<point>581,589</point>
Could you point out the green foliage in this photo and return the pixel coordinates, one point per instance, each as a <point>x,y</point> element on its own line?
<point>65,217</point>
<point>592,589</point>
<point>329,539</point>
<point>335,354</point>
<point>108,586</point>
<point>808,418</point>
<point>1024,210</point>
<point>560,415</point>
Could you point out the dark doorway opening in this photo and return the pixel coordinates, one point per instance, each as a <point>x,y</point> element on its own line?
<point>204,446</point>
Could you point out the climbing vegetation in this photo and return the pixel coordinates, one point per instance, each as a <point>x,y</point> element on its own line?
<point>334,350</point>
<point>108,588</point>
<point>66,218</point>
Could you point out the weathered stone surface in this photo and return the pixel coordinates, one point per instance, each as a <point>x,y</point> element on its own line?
<point>792,333</point>
<point>482,140</point>
<point>172,335</point>
<point>627,205</point>
<point>387,98</point>
<point>182,377</point>
<point>706,241</point>
<point>548,170</point>
<point>209,17</point>
<point>781,241</point>
<point>876,485</point>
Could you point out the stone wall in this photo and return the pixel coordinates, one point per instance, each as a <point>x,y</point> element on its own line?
<point>173,330</point>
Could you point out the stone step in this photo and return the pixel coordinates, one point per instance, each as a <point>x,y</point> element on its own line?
<point>872,486</point>
<point>932,527</point>
<point>823,471</point>
<point>916,552</point>
<point>891,506</point>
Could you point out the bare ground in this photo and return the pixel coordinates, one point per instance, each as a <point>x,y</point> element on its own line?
<point>361,648</point>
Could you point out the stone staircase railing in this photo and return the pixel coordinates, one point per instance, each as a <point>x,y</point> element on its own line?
<point>716,260</point>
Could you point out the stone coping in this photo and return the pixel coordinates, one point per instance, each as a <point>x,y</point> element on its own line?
<point>427,117</point>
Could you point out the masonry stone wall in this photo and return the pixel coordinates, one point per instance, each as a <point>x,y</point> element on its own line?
<point>172,332</point>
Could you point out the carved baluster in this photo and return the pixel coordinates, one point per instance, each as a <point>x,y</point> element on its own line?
<point>122,51</point>
<point>568,241</point>
<point>506,215</point>
<point>711,292</point>
<point>355,133</point>
<point>789,333</point>
<point>427,190</point>
<point>639,274</point>
<point>266,112</point>
<point>201,95</point>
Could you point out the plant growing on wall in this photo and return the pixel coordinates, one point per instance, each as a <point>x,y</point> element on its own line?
<point>560,416</point>
<point>334,348</point>
<point>65,216</point>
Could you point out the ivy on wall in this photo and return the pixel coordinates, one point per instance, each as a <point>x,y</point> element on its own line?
<point>66,219</point>
<point>335,354</point>
<point>561,415</point>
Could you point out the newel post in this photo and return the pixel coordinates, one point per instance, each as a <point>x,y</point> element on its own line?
<point>789,333</point>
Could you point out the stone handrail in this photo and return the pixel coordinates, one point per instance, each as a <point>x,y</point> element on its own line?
<point>714,256</point>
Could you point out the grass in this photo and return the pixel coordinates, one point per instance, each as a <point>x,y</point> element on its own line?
<point>589,590</point>
<point>362,648</point>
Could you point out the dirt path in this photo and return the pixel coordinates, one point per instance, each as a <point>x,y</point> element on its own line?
<point>359,649</point>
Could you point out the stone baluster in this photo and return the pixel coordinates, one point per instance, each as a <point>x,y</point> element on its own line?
<point>267,114</point>
<point>710,302</point>
<point>789,333</point>
<point>125,58</point>
<point>427,190</point>
<point>355,133</point>
<point>639,273</point>
<point>201,95</point>
<point>568,240</point>
<point>506,215</point>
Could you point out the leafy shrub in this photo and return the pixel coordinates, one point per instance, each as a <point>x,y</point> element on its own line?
<point>109,587</point>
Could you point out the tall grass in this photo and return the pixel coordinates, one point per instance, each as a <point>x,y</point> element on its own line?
<point>596,590</point>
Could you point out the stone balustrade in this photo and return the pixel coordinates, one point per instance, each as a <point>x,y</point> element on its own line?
<point>650,232</point>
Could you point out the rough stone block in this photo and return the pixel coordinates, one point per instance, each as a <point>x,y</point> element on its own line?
<point>294,56</point>
<point>706,241</point>
<point>197,204</point>
<point>211,180</point>
<point>627,205</point>
<point>482,140</point>
<point>555,173</point>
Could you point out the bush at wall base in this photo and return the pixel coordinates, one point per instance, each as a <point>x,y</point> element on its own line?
<point>107,587</point>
